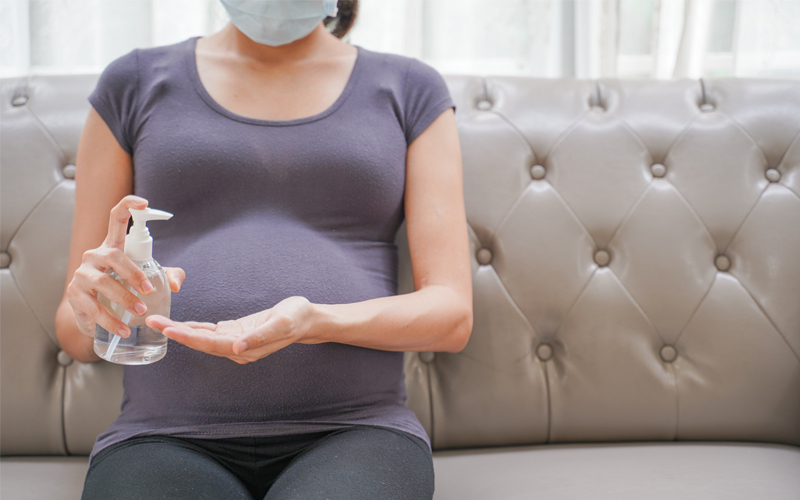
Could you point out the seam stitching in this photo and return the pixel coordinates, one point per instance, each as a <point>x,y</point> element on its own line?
<point>761,308</point>
<point>637,305</point>
<point>788,148</point>
<point>546,370</point>
<point>744,219</point>
<point>64,409</point>
<point>575,302</point>
<point>697,308</point>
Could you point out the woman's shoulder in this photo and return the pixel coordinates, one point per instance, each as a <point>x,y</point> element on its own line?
<point>400,69</point>
<point>165,55</point>
<point>131,65</point>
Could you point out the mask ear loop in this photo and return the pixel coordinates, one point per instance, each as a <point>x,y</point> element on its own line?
<point>331,10</point>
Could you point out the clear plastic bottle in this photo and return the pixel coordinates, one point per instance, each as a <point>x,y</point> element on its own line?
<point>144,345</point>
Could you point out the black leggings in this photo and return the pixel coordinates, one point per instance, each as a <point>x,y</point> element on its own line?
<point>354,463</point>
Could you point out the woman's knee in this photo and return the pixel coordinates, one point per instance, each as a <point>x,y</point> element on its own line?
<point>157,468</point>
<point>360,462</point>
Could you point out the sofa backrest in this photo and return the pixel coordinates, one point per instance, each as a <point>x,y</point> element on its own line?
<point>636,265</point>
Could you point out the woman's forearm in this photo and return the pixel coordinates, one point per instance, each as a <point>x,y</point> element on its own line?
<point>79,346</point>
<point>435,318</point>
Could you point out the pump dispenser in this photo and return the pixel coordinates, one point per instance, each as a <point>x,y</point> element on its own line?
<point>138,243</point>
<point>145,345</point>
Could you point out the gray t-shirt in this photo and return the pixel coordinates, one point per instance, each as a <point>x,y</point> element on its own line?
<point>265,210</point>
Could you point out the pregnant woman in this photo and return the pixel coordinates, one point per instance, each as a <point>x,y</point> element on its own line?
<point>289,159</point>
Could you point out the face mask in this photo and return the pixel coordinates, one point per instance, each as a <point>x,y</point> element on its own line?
<point>278,22</point>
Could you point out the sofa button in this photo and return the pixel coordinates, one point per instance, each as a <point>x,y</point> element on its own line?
<point>69,171</point>
<point>544,352</point>
<point>658,170</point>
<point>63,358</point>
<point>5,260</point>
<point>722,262</point>
<point>484,256</point>
<point>20,100</point>
<point>668,353</point>
<point>773,175</point>
<point>427,357</point>
<point>602,258</point>
<point>707,108</point>
<point>484,105</point>
<point>538,172</point>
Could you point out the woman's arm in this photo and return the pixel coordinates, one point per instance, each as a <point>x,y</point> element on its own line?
<point>435,317</point>
<point>438,315</point>
<point>104,178</point>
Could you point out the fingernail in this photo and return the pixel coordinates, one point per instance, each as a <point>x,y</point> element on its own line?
<point>140,308</point>
<point>147,287</point>
<point>122,333</point>
<point>242,347</point>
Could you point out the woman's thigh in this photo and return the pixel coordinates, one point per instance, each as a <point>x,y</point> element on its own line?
<point>359,463</point>
<point>159,468</point>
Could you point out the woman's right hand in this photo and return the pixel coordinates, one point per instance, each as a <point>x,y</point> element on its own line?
<point>104,176</point>
<point>92,278</point>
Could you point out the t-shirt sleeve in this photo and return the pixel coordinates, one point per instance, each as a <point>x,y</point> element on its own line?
<point>115,98</point>
<point>426,96</point>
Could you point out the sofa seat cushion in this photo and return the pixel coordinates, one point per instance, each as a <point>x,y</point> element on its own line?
<point>687,471</point>
<point>654,471</point>
<point>35,478</point>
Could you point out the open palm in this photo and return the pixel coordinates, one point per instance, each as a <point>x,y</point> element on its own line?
<point>246,339</point>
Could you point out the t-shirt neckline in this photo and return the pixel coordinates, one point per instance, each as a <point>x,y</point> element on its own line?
<point>191,62</point>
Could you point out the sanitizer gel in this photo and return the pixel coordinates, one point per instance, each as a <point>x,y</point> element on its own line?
<point>145,345</point>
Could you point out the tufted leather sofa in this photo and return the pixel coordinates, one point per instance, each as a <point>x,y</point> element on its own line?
<point>636,262</point>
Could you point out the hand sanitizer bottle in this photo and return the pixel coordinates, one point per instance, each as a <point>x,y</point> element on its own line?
<point>145,345</point>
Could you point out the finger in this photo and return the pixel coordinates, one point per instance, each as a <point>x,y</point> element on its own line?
<point>118,220</point>
<point>160,323</point>
<point>180,335</point>
<point>105,258</point>
<point>103,316</point>
<point>84,310</point>
<point>205,326</point>
<point>88,281</point>
<point>176,276</point>
<point>201,340</point>
<point>118,294</point>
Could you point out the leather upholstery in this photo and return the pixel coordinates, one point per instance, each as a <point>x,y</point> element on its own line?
<point>37,478</point>
<point>635,270</point>
<point>634,263</point>
<point>635,471</point>
<point>50,405</point>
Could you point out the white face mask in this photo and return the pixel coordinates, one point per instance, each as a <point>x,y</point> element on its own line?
<point>278,22</point>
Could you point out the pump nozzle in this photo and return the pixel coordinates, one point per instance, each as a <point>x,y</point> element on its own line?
<point>147,214</point>
<point>138,243</point>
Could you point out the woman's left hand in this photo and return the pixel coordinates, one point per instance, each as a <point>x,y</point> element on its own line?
<point>246,339</point>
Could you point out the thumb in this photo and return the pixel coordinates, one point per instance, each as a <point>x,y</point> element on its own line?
<point>176,276</point>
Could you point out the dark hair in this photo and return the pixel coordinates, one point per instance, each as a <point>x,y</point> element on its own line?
<point>344,21</point>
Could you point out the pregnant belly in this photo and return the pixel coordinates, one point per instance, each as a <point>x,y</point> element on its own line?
<point>250,265</point>
<point>247,266</point>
